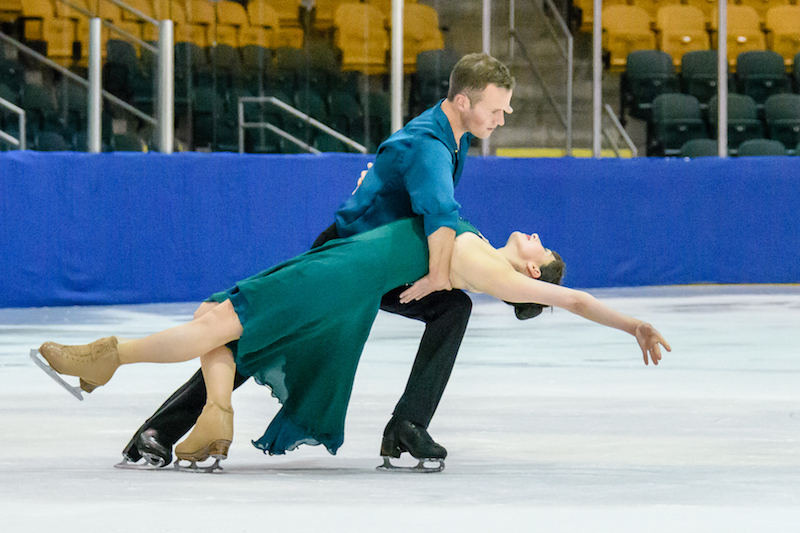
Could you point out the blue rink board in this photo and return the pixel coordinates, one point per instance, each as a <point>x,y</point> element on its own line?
<point>131,228</point>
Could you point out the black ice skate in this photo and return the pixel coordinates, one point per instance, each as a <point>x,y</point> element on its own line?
<point>403,436</point>
<point>149,447</point>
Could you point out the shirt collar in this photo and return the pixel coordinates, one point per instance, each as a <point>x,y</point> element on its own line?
<point>444,124</point>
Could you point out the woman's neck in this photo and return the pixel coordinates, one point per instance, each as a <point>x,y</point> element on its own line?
<point>513,258</point>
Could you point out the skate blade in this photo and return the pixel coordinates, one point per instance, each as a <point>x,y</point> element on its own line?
<point>196,469</point>
<point>420,468</point>
<point>41,363</point>
<point>127,464</point>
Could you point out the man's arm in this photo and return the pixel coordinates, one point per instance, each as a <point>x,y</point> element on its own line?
<point>440,250</point>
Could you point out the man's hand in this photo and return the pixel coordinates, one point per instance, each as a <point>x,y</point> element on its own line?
<point>423,287</point>
<point>361,179</point>
<point>649,339</point>
<point>440,249</point>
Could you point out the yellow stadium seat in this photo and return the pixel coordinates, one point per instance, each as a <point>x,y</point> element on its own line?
<point>34,13</point>
<point>652,6</point>
<point>587,11</point>
<point>10,10</point>
<point>291,31</point>
<point>265,19</point>
<point>708,7</point>
<point>360,34</point>
<point>681,29</point>
<point>59,35</point>
<point>420,33</point>
<point>783,27</point>
<point>131,22</point>
<point>744,31</point>
<point>169,10</point>
<point>325,11</point>
<point>761,6</point>
<point>625,29</point>
<point>202,20</point>
<point>232,22</point>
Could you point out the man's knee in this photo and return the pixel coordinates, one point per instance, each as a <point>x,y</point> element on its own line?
<point>449,306</point>
<point>461,303</point>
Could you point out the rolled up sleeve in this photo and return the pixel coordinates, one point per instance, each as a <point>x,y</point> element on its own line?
<point>429,181</point>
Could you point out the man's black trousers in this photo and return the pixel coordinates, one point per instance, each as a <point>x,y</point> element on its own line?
<point>445,315</point>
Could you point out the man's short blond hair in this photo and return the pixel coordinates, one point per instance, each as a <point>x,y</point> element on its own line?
<point>474,72</point>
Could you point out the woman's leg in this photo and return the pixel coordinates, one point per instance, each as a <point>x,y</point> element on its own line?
<point>215,328</point>
<point>218,373</point>
<point>213,433</point>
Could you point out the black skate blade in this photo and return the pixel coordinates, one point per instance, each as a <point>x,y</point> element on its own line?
<point>196,469</point>
<point>41,363</point>
<point>420,468</point>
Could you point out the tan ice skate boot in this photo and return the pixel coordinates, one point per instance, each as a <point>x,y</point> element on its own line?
<point>211,437</point>
<point>94,363</point>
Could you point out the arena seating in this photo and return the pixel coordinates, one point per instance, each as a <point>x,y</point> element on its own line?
<point>238,48</point>
<point>679,27</point>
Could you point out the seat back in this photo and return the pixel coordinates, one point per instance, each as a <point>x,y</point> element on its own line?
<point>783,25</point>
<point>760,74</point>
<point>682,29</point>
<point>433,78</point>
<point>126,142</point>
<point>361,35</point>
<point>782,113</point>
<point>699,74</point>
<point>676,120</point>
<point>262,15</point>
<point>743,122</point>
<point>626,29</point>
<point>420,33</point>
<point>50,141</point>
<point>759,147</point>
<point>744,31</point>
<point>675,106</point>
<point>648,73</point>
<point>700,148</point>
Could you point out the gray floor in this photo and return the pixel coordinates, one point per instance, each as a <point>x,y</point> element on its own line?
<point>551,425</point>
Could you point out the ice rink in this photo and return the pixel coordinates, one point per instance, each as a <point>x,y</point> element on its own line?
<point>552,425</point>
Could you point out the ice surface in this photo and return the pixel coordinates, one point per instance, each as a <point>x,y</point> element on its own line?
<point>553,424</point>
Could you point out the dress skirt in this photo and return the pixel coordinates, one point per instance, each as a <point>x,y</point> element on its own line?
<point>306,321</point>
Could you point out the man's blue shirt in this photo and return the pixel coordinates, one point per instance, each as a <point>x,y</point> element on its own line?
<point>415,172</point>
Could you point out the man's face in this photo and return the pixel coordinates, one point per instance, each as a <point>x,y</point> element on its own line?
<point>487,112</point>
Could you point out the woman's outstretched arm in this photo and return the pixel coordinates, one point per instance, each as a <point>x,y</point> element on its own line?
<point>477,267</point>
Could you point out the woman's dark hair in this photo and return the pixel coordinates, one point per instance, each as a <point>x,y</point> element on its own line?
<point>552,272</point>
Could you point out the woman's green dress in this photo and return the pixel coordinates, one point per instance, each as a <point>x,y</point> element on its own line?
<point>306,321</point>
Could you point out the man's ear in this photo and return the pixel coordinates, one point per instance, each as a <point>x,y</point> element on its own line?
<point>533,271</point>
<point>461,101</point>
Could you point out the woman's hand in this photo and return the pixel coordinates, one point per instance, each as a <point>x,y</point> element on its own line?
<point>649,339</point>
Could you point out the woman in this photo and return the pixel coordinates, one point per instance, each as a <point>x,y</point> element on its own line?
<point>300,327</point>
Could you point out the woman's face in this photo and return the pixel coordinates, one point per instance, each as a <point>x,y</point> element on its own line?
<point>530,248</point>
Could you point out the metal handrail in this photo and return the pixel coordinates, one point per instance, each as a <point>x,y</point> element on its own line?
<point>567,52</point>
<point>74,77</point>
<point>5,136</point>
<point>621,130</point>
<point>126,7</point>
<point>293,111</point>
<point>114,28</point>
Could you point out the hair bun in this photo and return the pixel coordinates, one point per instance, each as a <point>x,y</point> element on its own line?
<point>525,311</point>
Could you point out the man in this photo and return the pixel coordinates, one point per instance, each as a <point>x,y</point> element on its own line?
<point>415,173</point>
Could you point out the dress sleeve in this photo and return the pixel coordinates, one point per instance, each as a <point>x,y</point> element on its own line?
<point>429,181</point>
